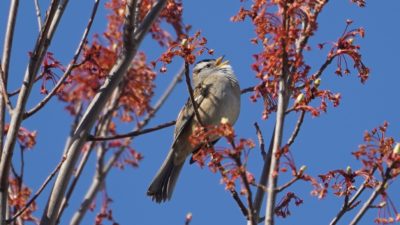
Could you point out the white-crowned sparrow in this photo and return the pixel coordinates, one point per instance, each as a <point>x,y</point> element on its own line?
<point>217,95</point>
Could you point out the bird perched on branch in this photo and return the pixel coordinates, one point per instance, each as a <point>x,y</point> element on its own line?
<point>217,95</point>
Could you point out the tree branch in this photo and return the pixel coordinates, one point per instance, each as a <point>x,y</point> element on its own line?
<point>133,133</point>
<point>190,90</point>
<point>8,39</point>
<point>283,96</point>
<point>38,14</point>
<point>131,42</point>
<point>297,128</point>
<point>3,89</point>
<point>250,210</point>
<point>349,205</point>
<point>37,193</point>
<point>261,187</point>
<point>101,151</point>
<point>288,184</point>
<point>261,142</point>
<point>70,66</point>
<point>98,179</point>
<point>246,90</point>
<point>377,191</point>
<point>36,58</point>
<point>5,62</point>
<point>319,72</point>
<point>177,78</point>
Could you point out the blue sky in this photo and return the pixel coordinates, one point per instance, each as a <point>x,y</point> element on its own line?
<point>324,143</point>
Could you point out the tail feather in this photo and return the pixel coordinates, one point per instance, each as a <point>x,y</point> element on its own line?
<point>163,183</point>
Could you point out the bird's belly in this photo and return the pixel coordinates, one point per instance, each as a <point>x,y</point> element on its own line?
<point>227,106</point>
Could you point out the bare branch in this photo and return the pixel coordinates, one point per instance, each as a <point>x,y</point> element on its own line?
<point>36,58</point>
<point>100,176</point>
<point>250,210</point>
<point>246,90</point>
<point>101,129</point>
<point>320,71</point>
<point>3,91</point>
<point>131,42</point>
<point>261,142</point>
<point>350,204</point>
<point>190,90</point>
<point>297,128</point>
<point>38,14</point>
<point>262,185</point>
<point>233,192</point>
<point>368,203</point>
<point>80,167</point>
<point>70,66</point>
<point>177,78</point>
<point>377,191</point>
<point>5,62</point>
<point>38,192</point>
<point>288,184</point>
<point>133,133</point>
<point>9,37</point>
<point>283,97</point>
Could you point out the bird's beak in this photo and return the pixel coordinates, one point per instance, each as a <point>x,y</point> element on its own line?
<point>219,62</point>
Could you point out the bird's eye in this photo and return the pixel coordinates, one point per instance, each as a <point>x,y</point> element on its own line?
<point>208,65</point>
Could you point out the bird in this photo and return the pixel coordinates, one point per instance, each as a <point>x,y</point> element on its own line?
<point>217,96</point>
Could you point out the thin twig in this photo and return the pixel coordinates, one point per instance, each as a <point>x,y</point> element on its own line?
<point>70,66</point>
<point>22,166</point>
<point>38,14</point>
<point>319,72</point>
<point>37,55</point>
<point>3,91</point>
<point>99,176</point>
<point>250,210</point>
<point>233,192</point>
<point>190,90</point>
<point>290,182</point>
<point>84,159</point>
<point>297,128</point>
<point>283,95</point>
<point>131,42</point>
<point>350,204</point>
<point>246,90</point>
<point>262,185</point>
<point>367,204</point>
<point>5,62</point>
<point>377,191</point>
<point>177,78</point>
<point>261,142</point>
<point>133,133</point>
<point>136,17</point>
<point>38,192</point>
<point>18,90</point>
<point>9,37</point>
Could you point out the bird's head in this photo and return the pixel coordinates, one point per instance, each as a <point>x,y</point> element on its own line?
<point>206,67</point>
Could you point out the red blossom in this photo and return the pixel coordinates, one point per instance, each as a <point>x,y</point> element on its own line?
<point>187,48</point>
<point>282,30</point>
<point>387,212</point>
<point>48,74</point>
<point>26,138</point>
<point>230,162</point>
<point>282,208</point>
<point>377,153</point>
<point>18,197</point>
<point>106,212</point>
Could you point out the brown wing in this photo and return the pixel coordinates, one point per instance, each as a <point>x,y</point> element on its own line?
<point>186,115</point>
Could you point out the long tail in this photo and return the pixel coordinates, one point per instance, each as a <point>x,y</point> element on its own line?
<point>163,183</point>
